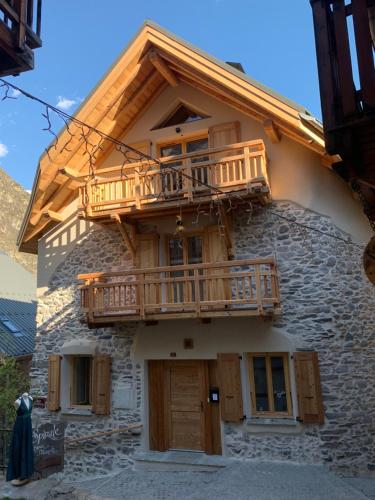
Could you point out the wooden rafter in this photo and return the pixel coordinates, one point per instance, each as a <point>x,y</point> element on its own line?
<point>124,233</point>
<point>272,131</point>
<point>163,68</point>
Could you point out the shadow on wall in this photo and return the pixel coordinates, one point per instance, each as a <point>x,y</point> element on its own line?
<point>57,244</point>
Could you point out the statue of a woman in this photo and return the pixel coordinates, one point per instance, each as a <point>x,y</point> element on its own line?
<point>21,453</point>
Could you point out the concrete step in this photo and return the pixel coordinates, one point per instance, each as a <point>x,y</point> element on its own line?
<point>175,461</point>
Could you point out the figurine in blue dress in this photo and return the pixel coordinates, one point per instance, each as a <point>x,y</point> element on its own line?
<point>21,453</point>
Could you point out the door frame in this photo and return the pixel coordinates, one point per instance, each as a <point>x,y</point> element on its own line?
<point>159,406</point>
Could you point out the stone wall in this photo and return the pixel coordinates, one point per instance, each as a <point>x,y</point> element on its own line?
<point>58,321</point>
<point>328,304</point>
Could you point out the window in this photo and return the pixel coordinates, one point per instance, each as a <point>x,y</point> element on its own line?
<point>9,325</point>
<point>181,114</point>
<point>81,388</point>
<point>269,384</point>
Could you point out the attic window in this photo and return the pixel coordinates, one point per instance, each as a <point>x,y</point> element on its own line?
<point>9,325</point>
<point>182,114</point>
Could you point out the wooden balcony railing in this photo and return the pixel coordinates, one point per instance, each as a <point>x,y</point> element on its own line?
<point>222,289</point>
<point>234,167</point>
<point>20,26</point>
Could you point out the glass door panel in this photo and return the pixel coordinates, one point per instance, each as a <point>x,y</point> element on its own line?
<point>195,256</point>
<point>199,174</point>
<point>171,181</point>
<point>176,258</point>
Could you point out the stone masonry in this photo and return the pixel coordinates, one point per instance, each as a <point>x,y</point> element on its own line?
<point>327,303</point>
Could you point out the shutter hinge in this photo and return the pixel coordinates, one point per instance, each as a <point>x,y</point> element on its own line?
<point>243,417</point>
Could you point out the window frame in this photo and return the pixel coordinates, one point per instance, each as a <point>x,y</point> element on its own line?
<point>72,396</point>
<point>271,412</point>
<point>183,141</point>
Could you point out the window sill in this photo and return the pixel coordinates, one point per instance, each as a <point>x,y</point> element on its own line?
<point>273,425</point>
<point>82,412</point>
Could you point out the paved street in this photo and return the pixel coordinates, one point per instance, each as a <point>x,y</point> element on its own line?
<point>251,481</point>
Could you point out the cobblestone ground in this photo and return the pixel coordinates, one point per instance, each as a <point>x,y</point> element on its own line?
<point>239,481</point>
<point>247,481</point>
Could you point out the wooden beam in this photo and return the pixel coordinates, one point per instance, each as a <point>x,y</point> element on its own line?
<point>54,216</point>
<point>271,131</point>
<point>124,234</point>
<point>72,173</point>
<point>162,67</point>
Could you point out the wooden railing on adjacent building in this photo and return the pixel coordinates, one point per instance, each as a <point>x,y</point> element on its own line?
<point>193,176</point>
<point>20,27</point>
<point>231,288</point>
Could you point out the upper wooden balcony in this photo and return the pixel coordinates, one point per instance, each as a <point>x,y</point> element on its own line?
<point>221,289</point>
<point>20,25</point>
<point>177,180</point>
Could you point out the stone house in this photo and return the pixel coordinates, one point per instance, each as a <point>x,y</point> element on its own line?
<point>199,272</point>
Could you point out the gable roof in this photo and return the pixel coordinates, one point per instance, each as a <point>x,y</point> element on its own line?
<point>153,59</point>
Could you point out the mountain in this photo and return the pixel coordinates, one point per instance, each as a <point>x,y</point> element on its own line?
<point>13,203</point>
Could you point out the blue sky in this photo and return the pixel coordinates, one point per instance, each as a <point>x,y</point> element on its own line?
<point>273,40</point>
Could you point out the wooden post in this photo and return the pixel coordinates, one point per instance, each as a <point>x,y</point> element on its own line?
<point>258,287</point>
<point>91,305</point>
<point>246,152</point>
<point>188,180</point>
<point>137,190</point>
<point>141,285</point>
<point>197,292</point>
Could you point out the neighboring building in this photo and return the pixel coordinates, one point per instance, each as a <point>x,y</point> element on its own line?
<point>230,270</point>
<point>17,311</point>
<point>20,24</point>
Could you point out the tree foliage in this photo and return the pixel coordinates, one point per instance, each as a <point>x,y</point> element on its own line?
<point>13,382</point>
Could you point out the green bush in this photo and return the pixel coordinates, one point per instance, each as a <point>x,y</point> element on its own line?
<point>13,382</point>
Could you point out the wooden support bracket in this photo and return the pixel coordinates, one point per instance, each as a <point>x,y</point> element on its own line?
<point>124,233</point>
<point>272,131</point>
<point>162,67</point>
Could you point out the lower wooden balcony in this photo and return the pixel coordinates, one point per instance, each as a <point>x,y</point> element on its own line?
<point>222,289</point>
<point>176,180</point>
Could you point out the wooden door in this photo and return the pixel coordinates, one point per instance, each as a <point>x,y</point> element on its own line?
<point>186,387</point>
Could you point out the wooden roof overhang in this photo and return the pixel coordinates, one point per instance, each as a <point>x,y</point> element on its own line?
<point>153,60</point>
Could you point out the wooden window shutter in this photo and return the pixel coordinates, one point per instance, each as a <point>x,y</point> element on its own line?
<point>216,251</point>
<point>101,387</point>
<point>230,387</point>
<point>223,134</point>
<point>156,398</point>
<point>148,256</point>
<point>310,401</point>
<point>53,400</point>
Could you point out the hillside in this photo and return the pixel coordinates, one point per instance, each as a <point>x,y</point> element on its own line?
<point>13,203</point>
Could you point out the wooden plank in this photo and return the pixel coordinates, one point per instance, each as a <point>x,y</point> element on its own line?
<point>344,63</point>
<point>364,48</point>
<point>101,384</point>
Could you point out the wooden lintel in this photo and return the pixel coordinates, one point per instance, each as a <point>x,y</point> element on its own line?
<point>272,131</point>
<point>162,67</point>
<point>124,234</point>
<point>227,232</point>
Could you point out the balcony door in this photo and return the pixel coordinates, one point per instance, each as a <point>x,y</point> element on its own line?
<point>173,182</point>
<point>182,251</point>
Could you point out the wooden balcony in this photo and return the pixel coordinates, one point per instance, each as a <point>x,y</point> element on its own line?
<point>177,180</point>
<point>222,289</point>
<point>20,25</point>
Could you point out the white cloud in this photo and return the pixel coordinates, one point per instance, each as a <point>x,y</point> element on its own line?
<point>15,93</point>
<point>64,103</point>
<point>3,150</point>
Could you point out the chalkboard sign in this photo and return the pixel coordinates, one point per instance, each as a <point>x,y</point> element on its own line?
<point>48,442</point>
